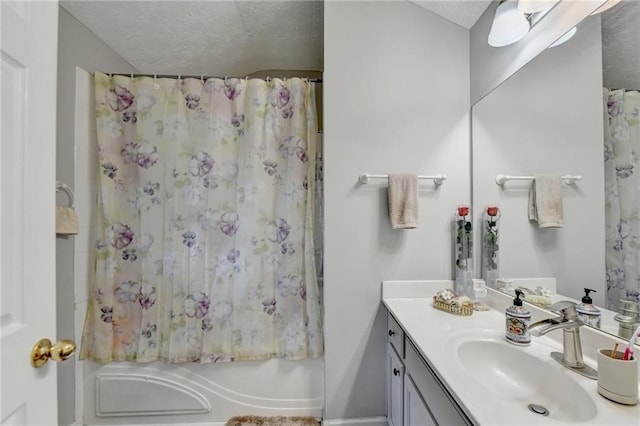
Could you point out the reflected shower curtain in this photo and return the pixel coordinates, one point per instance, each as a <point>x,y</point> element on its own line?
<point>622,195</point>
<point>205,231</point>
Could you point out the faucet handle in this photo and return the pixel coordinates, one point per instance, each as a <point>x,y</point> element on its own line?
<point>566,309</point>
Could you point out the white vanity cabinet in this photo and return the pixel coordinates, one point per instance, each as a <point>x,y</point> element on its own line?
<point>415,397</point>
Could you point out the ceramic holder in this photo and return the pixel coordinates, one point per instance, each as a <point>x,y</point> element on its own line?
<point>617,379</point>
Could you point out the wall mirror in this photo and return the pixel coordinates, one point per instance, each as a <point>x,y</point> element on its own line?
<point>549,119</point>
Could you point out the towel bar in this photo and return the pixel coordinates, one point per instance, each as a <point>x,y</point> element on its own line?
<point>568,179</point>
<point>61,187</point>
<point>438,179</point>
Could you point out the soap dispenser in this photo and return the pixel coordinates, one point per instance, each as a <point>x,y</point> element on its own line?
<point>587,313</point>
<point>517,322</point>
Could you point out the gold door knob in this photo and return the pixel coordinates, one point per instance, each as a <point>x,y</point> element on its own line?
<point>43,350</point>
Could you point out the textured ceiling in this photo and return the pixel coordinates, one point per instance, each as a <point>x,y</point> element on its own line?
<point>462,12</point>
<point>232,38</point>
<point>621,46</point>
<point>240,37</point>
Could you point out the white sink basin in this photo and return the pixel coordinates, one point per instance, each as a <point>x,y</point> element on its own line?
<point>522,375</point>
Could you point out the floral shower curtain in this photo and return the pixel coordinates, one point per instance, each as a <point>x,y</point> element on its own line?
<point>622,195</point>
<point>205,248</point>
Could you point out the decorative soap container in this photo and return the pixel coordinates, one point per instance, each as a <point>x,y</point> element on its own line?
<point>587,313</point>
<point>517,322</point>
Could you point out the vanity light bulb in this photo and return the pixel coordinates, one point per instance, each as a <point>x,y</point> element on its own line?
<point>509,25</point>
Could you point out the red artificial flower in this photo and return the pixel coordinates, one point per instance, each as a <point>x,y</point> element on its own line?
<point>463,211</point>
<point>492,211</point>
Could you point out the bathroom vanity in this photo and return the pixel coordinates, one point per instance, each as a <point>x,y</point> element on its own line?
<point>415,394</point>
<point>455,370</point>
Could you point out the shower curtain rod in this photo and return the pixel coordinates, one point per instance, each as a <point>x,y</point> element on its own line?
<point>204,77</point>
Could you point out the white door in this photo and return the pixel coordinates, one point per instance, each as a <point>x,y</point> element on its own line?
<point>27,206</point>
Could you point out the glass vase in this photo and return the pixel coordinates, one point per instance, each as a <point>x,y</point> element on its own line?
<point>490,246</point>
<point>463,240</point>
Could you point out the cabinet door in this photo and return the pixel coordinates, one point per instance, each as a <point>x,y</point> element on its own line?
<point>441,405</point>
<point>395,379</point>
<point>416,412</point>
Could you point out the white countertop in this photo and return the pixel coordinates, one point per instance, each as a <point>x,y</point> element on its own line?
<point>430,330</point>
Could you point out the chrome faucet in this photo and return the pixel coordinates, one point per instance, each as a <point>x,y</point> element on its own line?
<point>628,318</point>
<point>571,356</point>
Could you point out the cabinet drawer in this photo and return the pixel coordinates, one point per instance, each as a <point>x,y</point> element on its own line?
<point>396,335</point>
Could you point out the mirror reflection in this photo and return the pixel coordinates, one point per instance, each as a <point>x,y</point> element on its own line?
<point>549,119</point>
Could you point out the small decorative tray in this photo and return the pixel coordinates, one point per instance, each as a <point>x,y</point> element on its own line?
<point>463,310</point>
<point>448,301</point>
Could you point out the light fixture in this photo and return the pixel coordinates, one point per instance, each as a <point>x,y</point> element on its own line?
<point>509,24</point>
<point>608,5</point>
<point>565,37</point>
<point>535,6</point>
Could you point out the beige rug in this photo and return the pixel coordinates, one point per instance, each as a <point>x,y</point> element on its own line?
<point>272,421</point>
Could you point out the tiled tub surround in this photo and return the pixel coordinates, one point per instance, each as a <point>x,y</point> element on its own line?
<point>429,330</point>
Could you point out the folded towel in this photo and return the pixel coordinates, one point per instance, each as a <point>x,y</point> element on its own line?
<point>545,202</point>
<point>66,221</point>
<point>403,201</point>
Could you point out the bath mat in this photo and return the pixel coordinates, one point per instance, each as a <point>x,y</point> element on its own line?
<point>272,421</point>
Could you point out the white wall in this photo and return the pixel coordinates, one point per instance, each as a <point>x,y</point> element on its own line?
<point>547,119</point>
<point>77,47</point>
<point>396,98</point>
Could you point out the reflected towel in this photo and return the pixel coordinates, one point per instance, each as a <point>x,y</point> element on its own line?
<point>66,221</point>
<point>403,201</point>
<point>545,202</point>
